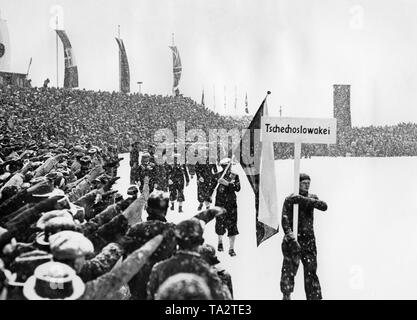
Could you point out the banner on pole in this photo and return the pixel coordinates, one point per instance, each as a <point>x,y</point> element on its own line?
<point>304,130</point>
<point>124,71</point>
<point>71,69</point>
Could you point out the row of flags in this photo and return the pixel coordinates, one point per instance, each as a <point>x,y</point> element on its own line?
<point>246,101</point>
<point>71,70</point>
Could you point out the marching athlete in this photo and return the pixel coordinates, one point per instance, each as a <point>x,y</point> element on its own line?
<point>229,184</point>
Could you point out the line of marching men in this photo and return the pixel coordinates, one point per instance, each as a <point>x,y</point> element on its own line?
<point>173,178</point>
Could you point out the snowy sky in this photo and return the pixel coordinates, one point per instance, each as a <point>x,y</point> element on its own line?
<point>296,48</point>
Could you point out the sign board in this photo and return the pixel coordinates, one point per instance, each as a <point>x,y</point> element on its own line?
<point>299,130</point>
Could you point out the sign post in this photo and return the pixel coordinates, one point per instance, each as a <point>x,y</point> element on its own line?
<point>298,131</point>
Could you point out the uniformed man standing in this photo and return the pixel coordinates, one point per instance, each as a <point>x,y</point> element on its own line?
<point>134,161</point>
<point>161,174</point>
<point>177,174</point>
<point>305,245</point>
<point>146,169</point>
<point>206,182</point>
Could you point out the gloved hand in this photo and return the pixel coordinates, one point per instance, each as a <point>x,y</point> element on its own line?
<point>292,244</point>
<point>223,182</point>
<point>295,199</point>
<point>289,237</point>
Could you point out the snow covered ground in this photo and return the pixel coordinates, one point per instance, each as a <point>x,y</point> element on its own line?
<point>367,240</point>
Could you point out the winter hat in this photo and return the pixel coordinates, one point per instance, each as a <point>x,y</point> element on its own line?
<point>189,232</point>
<point>184,286</point>
<point>133,190</point>
<point>70,245</point>
<point>43,221</point>
<point>158,202</point>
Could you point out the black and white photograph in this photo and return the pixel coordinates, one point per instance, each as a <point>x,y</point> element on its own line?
<point>232,150</point>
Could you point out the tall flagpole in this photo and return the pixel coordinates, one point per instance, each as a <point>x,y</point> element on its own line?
<point>173,45</point>
<point>56,43</point>
<point>214,97</point>
<point>120,59</point>
<point>30,63</point>
<point>235,99</point>
<point>225,100</point>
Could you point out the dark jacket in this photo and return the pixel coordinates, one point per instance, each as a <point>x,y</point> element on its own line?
<point>307,204</point>
<point>207,172</point>
<point>226,196</point>
<point>177,173</point>
<point>139,235</point>
<point>161,176</point>
<point>187,262</point>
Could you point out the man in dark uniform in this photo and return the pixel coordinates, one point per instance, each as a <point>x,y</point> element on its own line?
<point>192,167</point>
<point>206,182</point>
<point>161,174</point>
<point>134,161</point>
<point>226,198</point>
<point>146,169</point>
<point>305,245</point>
<point>208,253</point>
<point>189,234</point>
<point>157,206</point>
<point>140,233</point>
<point>176,175</point>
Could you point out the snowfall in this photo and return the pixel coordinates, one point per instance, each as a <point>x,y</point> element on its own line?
<point>366,240</point>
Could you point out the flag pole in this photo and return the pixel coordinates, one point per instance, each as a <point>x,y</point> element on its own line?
<point>246,104</point>
<point>30,63</point>
<point>214,97</point>
<point>225,106</point>
<point>235,99</point>
<point>120,60</point>
<point>56,38</point>
<point>297,156</point>
<point>173,45</point>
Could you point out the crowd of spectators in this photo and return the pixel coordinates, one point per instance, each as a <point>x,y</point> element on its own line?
<point>62,225</point>
<point>115,118</point>
<point>373,141</point>
<point>64,232</point>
